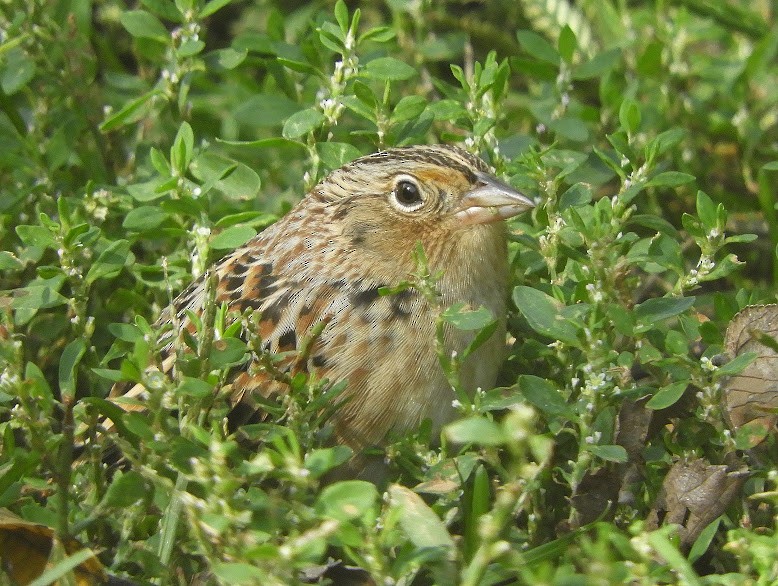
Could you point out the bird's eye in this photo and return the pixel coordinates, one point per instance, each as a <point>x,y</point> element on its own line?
<point>407,195</point>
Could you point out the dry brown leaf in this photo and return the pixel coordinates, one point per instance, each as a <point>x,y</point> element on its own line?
<point>25,548</point>
<point>693,495</point>
<point>751,397</point>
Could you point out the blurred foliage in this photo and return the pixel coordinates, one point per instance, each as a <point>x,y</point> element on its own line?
<point>141,141</point>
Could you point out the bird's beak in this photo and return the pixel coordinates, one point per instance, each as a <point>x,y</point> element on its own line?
<point>489,201</point>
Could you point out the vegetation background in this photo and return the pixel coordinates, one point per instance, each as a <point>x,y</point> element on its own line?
<point>141,141</point>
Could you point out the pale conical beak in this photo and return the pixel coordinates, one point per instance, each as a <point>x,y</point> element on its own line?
<point>491,200</point>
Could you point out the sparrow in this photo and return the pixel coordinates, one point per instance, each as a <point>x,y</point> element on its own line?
<point>317,279</point>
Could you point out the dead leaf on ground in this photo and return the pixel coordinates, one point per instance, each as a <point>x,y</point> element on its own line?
<point>694,494</point>
<point>26,548</point>
<point>751,397</point>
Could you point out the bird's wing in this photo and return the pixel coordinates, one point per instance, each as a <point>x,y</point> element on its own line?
<point>287,311</point>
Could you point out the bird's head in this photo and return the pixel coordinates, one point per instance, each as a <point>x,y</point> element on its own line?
<point>439,195</point>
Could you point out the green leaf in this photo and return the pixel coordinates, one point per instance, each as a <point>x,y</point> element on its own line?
<point>462,317</point>
<point>322,460</point>
<point>389,68</point>
<point>40,294</point>
<point>737,364</point>
<point>130,112</point>
<point>567,43</point>
<point>17,71</point>
<point>263,110</point>
<point>598,66</point>
<point>341,15</point>
<point>475,430</point>
<point>126,489</point>
<point>233,237</point>
<point>302,122</point>
<point>706,211</point>
<point>418,521</point>
<point>110,262</point>
<point>629,115</point>
<point>126,332</point>
<point>182,149</point>
<point>227,58</point>
<point>61,569</point>
<point>142,24</point>
<point>538,47</point>
<point>195,388</point>
<point>211,7</point>
<point>659,309</point>
<point>668,395</point>
<point>144,218</point>
<point>609,453</point>
<point>347,500</point>
<point>408,108</point>
<point>544,314</point>
<point>670,179</point>
<point>703,541</point>
<point>226,352</point>
<point>8,262</point>
<point>543,395</point>
<point>336,154</point>
<point>40,236</point>
<point>68,363</point>
<point>577,195</point>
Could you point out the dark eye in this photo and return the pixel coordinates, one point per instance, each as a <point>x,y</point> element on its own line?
<point>407,194</point>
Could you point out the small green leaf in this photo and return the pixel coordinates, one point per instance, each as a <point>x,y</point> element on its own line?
<point>408,108</point>
<point>567,43</point>
<point>212,6</point>
<point>40,236</point>
<point>195,388</point>
<point>538,47</point>
<point>302,122</point>
<point>110,262</point>
<point>598,66</point>
<point>737,364</point>
<point>322,460</point>
<point>418,521</point>
<point>182,149</point>
<point>227,352</point>
<point>39,294</point>
<point>63,568</point>
<point>142,24</point>
<point>543,395</point>
<point>389,68</point>
<point>144,218</point>
<point>463,318</point>
<point>475,430</point>
<point>629,115</point>
<point>706,211</point>
<point>341,15</point>
<point>126,332</point>
<point>18,70</point>
<point>130,112</point>
<point>126,489</point>
<point>668,395</point>
<point>703,541</point>
<point>347,500</point>
<point>611,453</point>
<point>336,154</point>
<point>658,309</point>
<point>544,314</point>
<point>670,179</point>
<point>233,237</point>
<point>68,363</point>
<point>8,262</point>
